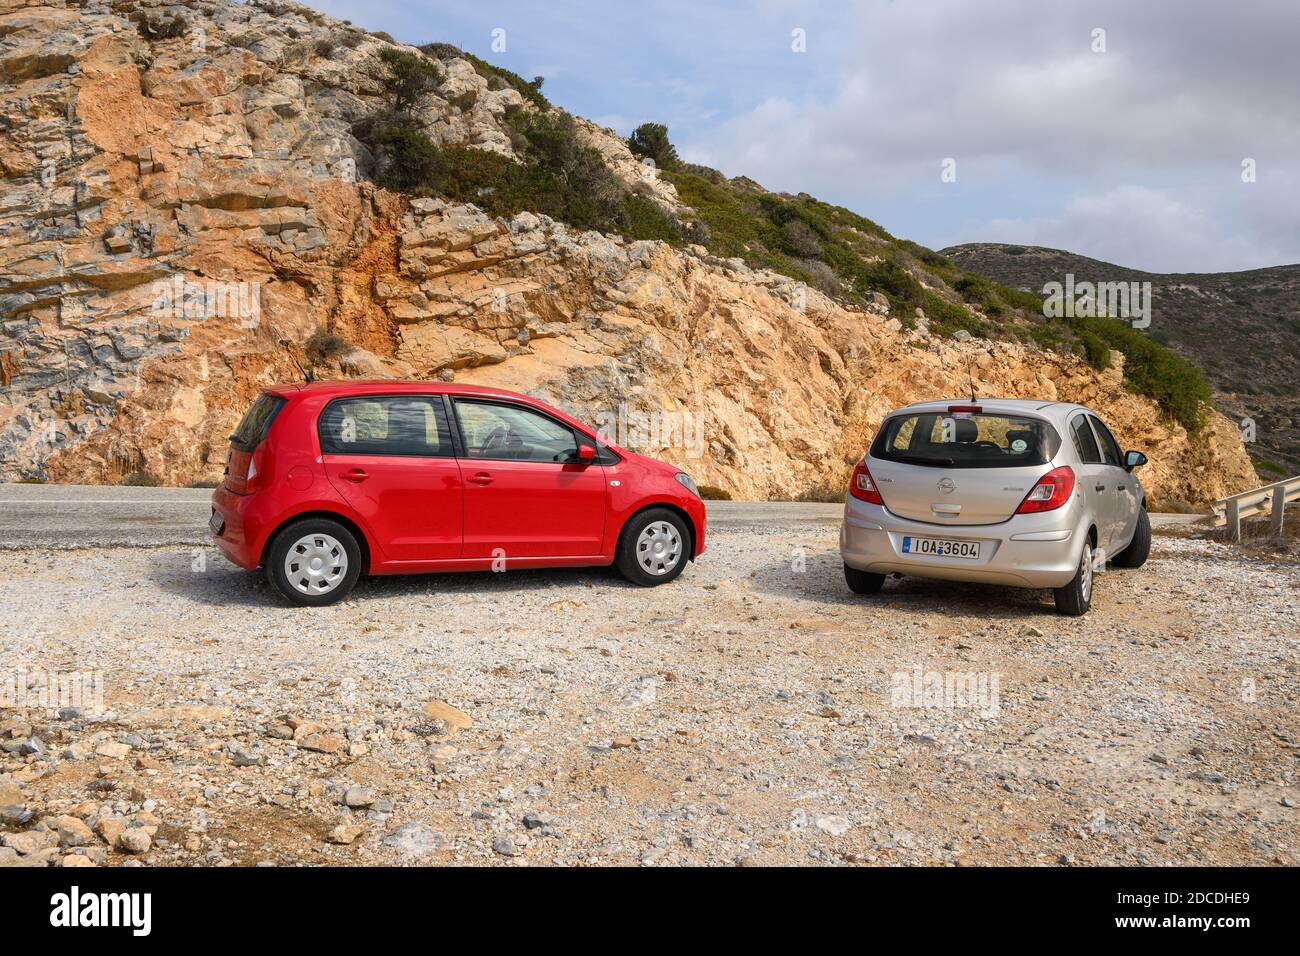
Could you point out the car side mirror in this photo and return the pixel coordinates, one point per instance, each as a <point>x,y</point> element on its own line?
<point>1134,459</point>
<point>586,454</point>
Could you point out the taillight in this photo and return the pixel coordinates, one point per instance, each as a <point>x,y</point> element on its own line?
<point>1052,491</point>
<point>244,470</point>
<point>862,487</point>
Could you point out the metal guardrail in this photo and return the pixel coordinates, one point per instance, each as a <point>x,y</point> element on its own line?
<point>1273,498</point>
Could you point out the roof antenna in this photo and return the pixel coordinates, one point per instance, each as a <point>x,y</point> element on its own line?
<point>971,378</point>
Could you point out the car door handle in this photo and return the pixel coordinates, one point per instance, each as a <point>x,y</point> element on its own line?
<point>482,478</point>
<point>354,474</point>
<point>1100,487</point>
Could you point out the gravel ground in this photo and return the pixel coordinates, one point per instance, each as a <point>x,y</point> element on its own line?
<point>753,712</point>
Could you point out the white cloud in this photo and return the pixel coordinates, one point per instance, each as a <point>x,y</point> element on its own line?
<point>1132,226</point>
<point>1049,131</point>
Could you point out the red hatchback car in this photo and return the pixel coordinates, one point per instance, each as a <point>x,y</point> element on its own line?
<point>330,480</point>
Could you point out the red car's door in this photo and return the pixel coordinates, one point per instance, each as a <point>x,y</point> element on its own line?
<point>391,457</point>
<point>526,496</point>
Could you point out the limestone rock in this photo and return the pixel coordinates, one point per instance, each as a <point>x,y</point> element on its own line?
<point>173,215</point>
<point>455,718</point>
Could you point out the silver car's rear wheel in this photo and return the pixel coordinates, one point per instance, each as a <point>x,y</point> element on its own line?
<point>1085,573</point>
<point>316,564</point>
<point>1076,597</point>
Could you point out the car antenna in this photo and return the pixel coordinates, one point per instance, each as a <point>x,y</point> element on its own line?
<point>971,379</point>
<point>306,375</point>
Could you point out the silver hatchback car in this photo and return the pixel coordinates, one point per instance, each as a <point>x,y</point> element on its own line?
<point>1029,494</point>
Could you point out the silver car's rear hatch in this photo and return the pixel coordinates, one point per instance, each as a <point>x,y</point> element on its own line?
<point>960,464</point>
<point>952,496</point>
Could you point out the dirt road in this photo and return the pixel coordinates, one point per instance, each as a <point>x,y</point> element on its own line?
<point>752,712</point>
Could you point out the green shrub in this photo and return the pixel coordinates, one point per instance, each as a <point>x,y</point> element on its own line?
<point>556,176</point>
<point>322,345</point>
<point>406,160</point>
<point>1150,369</point>
<point>714,493</point>
<point>928,256</point>
<point>645,220</point>
<point>410,78</point>
<point>800,239</point>
<point>977,291</point>
<point>651,139</point>
<point>497,77</point>
<point>441,51</point>
<point>1095,351</point>
<point>731,221</point>
<point>1020,299</point>
<point>947,317</point>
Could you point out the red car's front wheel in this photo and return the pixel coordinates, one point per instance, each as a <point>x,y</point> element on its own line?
<point>654,547</point>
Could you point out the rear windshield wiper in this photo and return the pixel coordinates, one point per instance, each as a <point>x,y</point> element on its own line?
<point>917,460</point>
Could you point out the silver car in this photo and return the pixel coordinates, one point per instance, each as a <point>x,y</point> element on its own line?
<point>1029,494</point>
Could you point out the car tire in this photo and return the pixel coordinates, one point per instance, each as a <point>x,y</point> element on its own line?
<point>653,548</point>
<point>1075,598</point>
<point>316,539</point>
<point>1135,555</point>
<point>863,582</point>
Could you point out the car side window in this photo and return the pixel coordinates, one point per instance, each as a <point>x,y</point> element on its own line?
<point>500,432</point>
<point>402,425</point>
<point>1109,446</point>
<point>1084,442</point>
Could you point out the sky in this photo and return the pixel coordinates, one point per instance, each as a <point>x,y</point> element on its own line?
<point>1156,134</point>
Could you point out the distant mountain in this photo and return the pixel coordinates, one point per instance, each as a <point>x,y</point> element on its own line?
<point>1241,328</point>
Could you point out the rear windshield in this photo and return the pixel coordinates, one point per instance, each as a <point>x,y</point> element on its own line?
<point>256,422</point>
<point>966,440</point>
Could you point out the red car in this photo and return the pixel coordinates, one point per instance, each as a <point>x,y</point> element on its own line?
<point>330,480</point>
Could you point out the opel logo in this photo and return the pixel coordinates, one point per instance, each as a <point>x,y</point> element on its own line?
<point>946,486</point>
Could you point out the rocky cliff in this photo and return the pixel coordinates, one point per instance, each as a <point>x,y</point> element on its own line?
<point>183,225</point>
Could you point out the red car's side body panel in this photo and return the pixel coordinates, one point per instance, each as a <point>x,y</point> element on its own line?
<point>419,514</point>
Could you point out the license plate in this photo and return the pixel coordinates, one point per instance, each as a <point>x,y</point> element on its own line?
<point>942,547</point>
<point>217,523</point>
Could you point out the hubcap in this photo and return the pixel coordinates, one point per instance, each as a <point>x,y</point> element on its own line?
<point>659,548</point>
<point>315,564</point>
<point>1085,572</point>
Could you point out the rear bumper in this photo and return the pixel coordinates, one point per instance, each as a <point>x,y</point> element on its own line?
<point>1027,551</point>
<point>239,540</point>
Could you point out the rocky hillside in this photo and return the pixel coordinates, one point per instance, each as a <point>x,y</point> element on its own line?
<point>1242,328</point>
<point>190,218</point>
